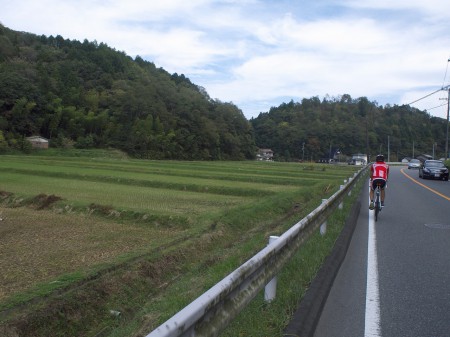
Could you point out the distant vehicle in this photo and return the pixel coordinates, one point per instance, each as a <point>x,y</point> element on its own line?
<point>358,159</point>
<point>414,164</point>
<point>433,169</point>
<point>326,161</point>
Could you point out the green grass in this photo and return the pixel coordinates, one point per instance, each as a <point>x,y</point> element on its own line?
<point>192,224</point>
<point>270,319</point>
<point>259,318</point>
<point>160,187</point>
<point>130,197</point>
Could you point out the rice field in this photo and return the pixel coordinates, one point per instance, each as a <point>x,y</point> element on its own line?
<point>64,218</point>
<point>188,189</point>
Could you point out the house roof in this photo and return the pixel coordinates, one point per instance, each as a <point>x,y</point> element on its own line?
<point>37,139</point>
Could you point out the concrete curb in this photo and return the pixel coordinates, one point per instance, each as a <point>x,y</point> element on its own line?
<point>306,317</point>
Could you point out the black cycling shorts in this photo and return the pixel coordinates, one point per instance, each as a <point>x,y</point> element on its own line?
<point>382,183</point>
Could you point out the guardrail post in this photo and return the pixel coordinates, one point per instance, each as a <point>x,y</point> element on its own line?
<point>350,192</point>
<point>270,290</point>
<point>341,205</point>
<point>323,227</point>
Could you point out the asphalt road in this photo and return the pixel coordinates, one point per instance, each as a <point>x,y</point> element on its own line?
<point>395,279</point>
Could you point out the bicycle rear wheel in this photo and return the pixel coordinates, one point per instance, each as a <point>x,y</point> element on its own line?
<point>377,207</point>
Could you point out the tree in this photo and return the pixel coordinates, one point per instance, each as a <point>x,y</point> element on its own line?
<point>21,121</point>
<point>3,143</point>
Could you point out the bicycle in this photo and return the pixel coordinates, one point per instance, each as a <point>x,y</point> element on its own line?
<point>377,201</point>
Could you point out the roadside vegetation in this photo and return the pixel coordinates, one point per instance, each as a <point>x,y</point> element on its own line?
<point>103,245</point>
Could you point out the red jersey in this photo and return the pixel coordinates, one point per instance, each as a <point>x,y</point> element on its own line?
<point>379,171</point>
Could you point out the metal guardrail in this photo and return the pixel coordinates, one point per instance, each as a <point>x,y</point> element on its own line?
<point>212,311</point>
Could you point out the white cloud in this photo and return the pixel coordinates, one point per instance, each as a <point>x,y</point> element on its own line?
<point>433,7</point>
<point>260,53</point>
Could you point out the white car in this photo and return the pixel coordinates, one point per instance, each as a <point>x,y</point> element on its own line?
<point>414,164</point>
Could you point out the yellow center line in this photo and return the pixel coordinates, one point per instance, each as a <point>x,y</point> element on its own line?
<point>424,186</point>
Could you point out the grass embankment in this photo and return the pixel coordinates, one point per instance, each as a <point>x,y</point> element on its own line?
<point>82,236</point>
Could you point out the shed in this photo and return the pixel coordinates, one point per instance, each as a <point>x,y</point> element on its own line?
<point>264,154</point>
<point>38,142</point>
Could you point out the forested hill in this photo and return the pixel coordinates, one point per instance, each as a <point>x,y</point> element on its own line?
<point>85,94</point>
<point>312,129</point>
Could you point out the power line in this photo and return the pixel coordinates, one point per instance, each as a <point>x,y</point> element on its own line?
<point>445,76</point>
<point>425,96</point>
<point>437,107</point>
<point>442,88</point>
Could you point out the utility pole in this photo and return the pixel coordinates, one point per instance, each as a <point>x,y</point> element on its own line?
<point>448,108</point>
<point>329,156</point>
<point>389,151</point>
<point>446,121</point>
<point>446,137</point>
<point>303,152</point>
<point>367,137</point>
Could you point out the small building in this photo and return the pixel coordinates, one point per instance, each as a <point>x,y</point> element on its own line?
<point>422,157</point>
<point>38,142</point>
<point>264,155</point>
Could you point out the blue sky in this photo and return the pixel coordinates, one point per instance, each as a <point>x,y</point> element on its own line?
<point>261,53</point>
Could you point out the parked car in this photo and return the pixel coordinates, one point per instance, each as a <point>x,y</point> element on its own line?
<point>433,169</point>
<point>414,164</point>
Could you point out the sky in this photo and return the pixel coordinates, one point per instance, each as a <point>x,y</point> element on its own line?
<point>259,54</point>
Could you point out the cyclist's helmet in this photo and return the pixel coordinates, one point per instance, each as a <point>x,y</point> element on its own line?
<point>380,158</point>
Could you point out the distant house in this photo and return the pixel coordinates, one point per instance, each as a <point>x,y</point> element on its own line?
<point>38,142</point>
<point>264,154</point>
<point>422,157</point>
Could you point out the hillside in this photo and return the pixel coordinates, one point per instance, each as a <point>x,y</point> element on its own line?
<point>86,95</point>
<point>312,129</point>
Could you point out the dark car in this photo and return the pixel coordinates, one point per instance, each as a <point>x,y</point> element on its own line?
<point>433,169</point>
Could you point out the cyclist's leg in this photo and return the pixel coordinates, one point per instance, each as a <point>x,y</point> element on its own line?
<point>383,192</point>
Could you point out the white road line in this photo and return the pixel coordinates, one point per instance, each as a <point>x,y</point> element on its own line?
<point>372,319</point>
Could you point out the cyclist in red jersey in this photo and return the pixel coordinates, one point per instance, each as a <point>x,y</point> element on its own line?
<point>379,172</point>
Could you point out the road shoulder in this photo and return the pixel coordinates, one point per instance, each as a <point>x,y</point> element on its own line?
<point>307,315</point>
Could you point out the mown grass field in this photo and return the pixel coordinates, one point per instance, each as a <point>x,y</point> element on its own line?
<point>132,234</point>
